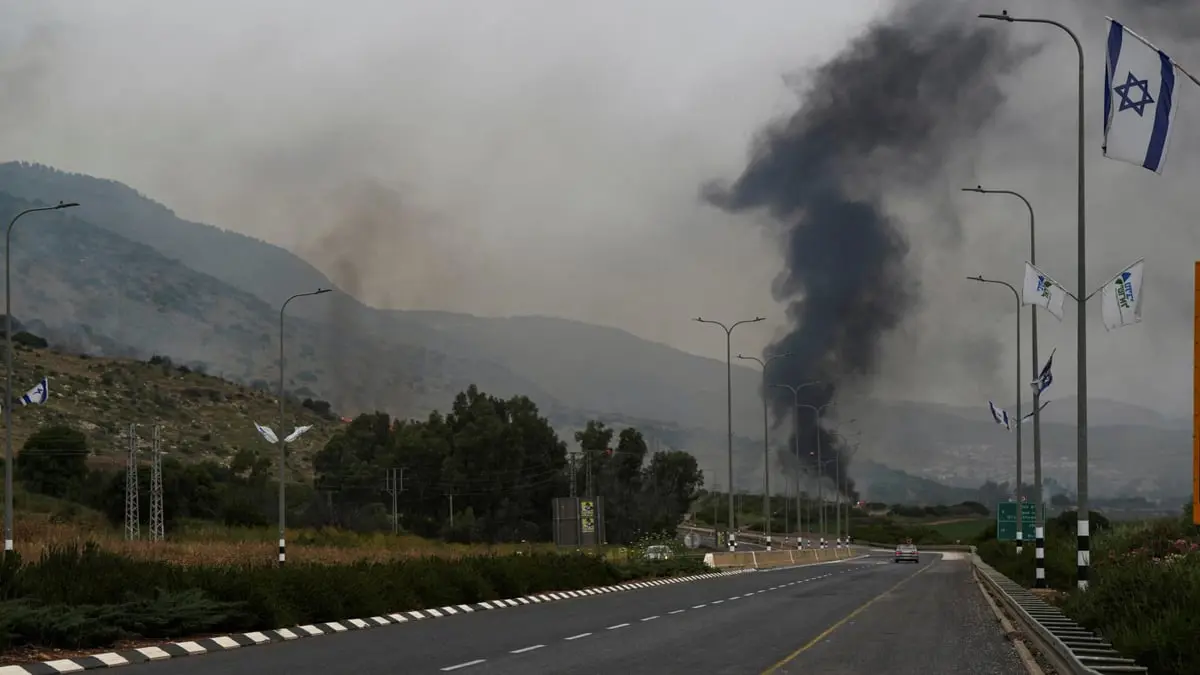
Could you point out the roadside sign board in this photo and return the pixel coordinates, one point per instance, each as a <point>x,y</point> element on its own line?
<point>1006,521</point>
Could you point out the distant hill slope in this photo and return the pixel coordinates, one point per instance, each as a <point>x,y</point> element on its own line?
<point>123,275</point>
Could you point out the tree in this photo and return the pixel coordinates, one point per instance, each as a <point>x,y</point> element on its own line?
<point>53,460</point>
<point>673,481</point>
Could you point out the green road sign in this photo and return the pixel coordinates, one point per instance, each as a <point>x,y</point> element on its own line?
<point>1006,521</point>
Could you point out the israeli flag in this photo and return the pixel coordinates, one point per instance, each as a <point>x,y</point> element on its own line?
<point>1001,416</point>
<point>1029,416</point>
<point>38,394</point>
<point>1139,100</point>
<point>1045,378</point>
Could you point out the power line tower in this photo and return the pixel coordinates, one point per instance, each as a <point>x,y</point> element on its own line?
<point>132,516</point>
<point>394,486</point>
<point>572,457</point>
<point>156,490</point>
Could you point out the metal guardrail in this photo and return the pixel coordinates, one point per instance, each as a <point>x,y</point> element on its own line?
<point>1070,647</point>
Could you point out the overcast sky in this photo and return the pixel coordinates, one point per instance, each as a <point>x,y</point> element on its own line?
<point>544,157</point>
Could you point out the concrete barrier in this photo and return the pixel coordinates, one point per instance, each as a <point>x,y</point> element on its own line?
<point>768,559</point>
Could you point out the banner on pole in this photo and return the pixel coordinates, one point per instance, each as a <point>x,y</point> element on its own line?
<point>1196,404</point>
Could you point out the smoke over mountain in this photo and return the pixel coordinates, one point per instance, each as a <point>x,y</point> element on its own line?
<point>884,112</point>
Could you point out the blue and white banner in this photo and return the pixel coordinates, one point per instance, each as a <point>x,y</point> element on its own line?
<point>1140,100</point>
<point>1000,416</point>
<point>1121,297</point>
<point>1042,291</point>
<point>38,394</point>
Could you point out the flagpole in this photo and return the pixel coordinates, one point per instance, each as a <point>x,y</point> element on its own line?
<point>1017,490</point>
<point>1083,543</point>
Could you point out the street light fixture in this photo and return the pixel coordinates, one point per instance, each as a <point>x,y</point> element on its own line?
<point>766,446</point>
<point>1082,539</point>
<point>795,389</point>
<point>283,433</point>
<point>817,412</point>
<point>1017,297</point>
<point>1039,518</point>
<point>729,410</point>
<point>8,369</point>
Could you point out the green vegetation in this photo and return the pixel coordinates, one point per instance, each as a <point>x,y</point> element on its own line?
<point>1144,585</point>
<point>86,597</point>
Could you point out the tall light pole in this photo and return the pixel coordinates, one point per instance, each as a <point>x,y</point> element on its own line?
<point>8,370</point>
<point>283,433</point>
<point>1039,517</point>
<point>729,409</point>
<point>1083,559</point>
<point>766,446</point>
<point>850,452</point>
<point>837,481</point>
<point>1017,297</point>
<point>795,389</point>
<point>817,412</point>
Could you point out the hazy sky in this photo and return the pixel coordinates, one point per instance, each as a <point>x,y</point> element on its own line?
<point>520,156</point>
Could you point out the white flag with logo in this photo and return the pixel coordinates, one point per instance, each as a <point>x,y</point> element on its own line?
<point>1121,297</point>
<point>296,433</point>
<point>1043,291</point>
<point>1140,100</point>
<point>267,432</point>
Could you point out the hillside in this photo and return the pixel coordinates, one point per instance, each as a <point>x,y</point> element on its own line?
<point>200,416</point>
<point>123,276</point>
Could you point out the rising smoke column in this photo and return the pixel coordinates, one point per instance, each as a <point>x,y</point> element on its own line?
<point>887,110</point>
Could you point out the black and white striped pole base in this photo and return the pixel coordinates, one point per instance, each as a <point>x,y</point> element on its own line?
<point>822,542</point>
<point>1084,556</point>
<point>1039,580</point>
<point>1020,543</point>
<point>282,552</point>
<point>839,543</point>
<point>732,542</point>
<point>768,542</point>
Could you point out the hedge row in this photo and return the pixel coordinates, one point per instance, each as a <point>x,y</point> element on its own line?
<point>1143,592</point>
<point>84,597</point>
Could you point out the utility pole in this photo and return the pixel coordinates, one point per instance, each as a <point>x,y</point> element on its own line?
<point>157,529</point>
<point>394,486</point>
<point>716,499</point>
<point>451,496</point>
<point>572,456</point>
<point>132,516</point>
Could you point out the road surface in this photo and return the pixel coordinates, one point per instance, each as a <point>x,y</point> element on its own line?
<point>861,616</point>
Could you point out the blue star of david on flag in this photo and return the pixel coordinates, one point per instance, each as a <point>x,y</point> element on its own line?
<point>1147,91</point>
<point>1128,103</point>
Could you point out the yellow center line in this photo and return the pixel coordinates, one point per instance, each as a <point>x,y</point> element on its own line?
<point>841,622</point>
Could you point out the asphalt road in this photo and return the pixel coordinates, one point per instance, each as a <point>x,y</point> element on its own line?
<point>928,619</point>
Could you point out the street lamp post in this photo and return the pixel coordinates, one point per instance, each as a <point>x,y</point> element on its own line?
<point>817,412</point>
<point>1017,296</point>
<point>766,445</point>
<point>283,433</point>
<point>1039,517</point>
<point>8,370</point>
<point>729,410</point>
<point>837,481</point>
<point>795,389</point>
<point>1083,559</point>
<point>850,452</point>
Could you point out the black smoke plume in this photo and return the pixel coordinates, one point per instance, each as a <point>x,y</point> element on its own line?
<point>885,111</point>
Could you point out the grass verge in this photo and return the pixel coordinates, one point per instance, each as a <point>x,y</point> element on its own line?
<point>83,596</point>
<point>1144,588</point>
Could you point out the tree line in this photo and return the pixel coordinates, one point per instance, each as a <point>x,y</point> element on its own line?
<point>487,470</point>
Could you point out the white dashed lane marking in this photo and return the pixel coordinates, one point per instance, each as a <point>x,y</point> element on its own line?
<point>650,618</point>
<point>699,606</point>
<point>463,665</point>
<point>576,637</point>
<point>522,650</point>
<point>677,611</point>
<point>620,625</point>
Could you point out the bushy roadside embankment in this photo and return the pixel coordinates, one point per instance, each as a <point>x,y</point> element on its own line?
<point>83,597</point>
<point>1144,587</point>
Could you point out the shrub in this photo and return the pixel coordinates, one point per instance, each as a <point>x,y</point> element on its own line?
<point>83,596</point>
